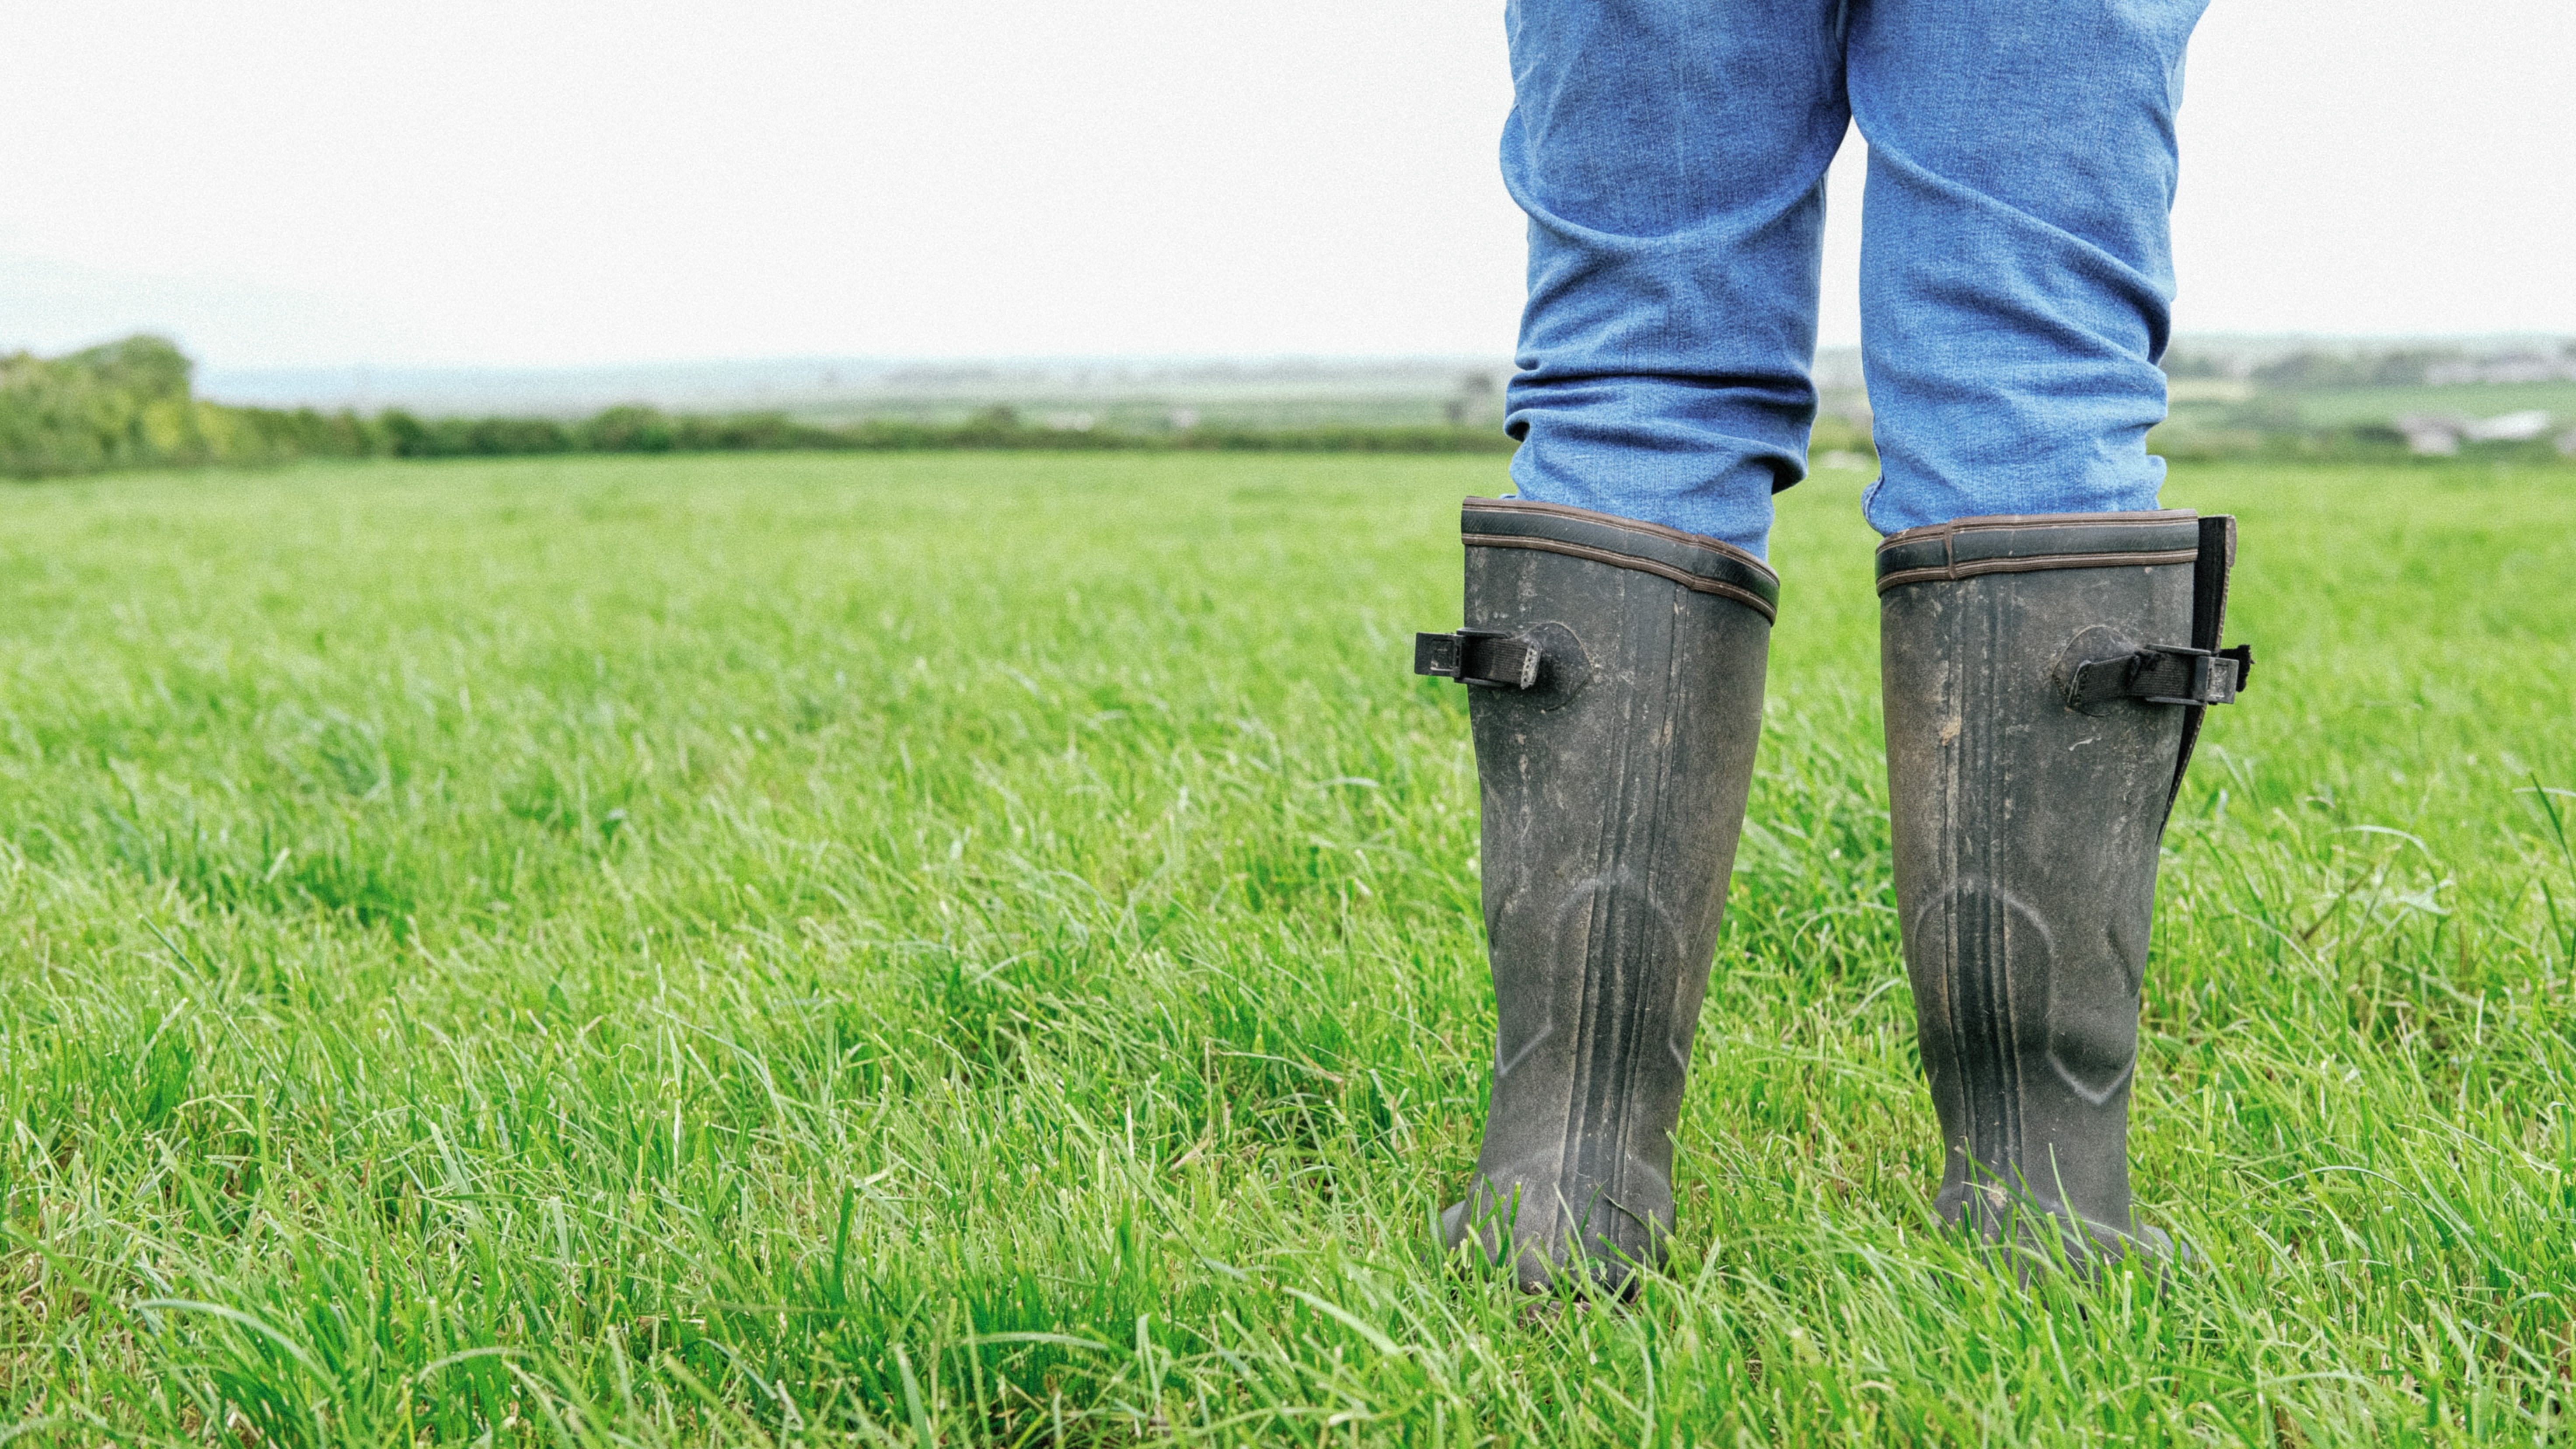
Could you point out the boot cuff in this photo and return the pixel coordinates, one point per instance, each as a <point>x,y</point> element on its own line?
<point>2013,543</point>
<point>1703,565</point>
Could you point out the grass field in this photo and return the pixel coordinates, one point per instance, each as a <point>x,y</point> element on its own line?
<point>946,948</point>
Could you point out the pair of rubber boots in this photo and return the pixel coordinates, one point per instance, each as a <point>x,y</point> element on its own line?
<point>2044,676</point>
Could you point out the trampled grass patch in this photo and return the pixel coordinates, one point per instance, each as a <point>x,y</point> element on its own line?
<point>956,948</point>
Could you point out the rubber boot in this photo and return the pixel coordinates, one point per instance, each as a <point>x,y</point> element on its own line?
<point>1617,673</point>
<point>2043,678</point>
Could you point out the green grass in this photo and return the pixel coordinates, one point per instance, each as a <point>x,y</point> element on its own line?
<point>929,949</point>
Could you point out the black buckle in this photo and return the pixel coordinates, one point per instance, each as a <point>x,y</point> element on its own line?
<point>2164,674</point>
<point>1487,658</point>
<point>2243,654</point>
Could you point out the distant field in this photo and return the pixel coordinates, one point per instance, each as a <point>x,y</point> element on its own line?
<point>2477,400</point>
<point>966,948</point>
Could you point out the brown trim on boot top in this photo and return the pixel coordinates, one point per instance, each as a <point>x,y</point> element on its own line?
<point>2018,543</point>
<point>1702,565</point>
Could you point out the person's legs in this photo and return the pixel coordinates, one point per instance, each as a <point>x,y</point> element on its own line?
<point>1671,155</point>
<point>2044,668</point>
<point>2016,270</point>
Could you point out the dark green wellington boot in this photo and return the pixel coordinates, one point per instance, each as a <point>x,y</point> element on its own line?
<point>2045,677</point>
<point>1617,674</point>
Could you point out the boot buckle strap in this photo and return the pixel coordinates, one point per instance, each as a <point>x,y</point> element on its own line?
<point>2164,674</point>
<point>1488,658</point>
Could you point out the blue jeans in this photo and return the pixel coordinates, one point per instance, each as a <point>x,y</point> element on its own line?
<point>2016,273</point>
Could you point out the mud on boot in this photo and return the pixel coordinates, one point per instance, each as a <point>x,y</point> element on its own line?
<point>2045,677</point>
<point>1616,675</point>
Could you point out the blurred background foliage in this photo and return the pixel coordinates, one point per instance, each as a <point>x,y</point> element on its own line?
<point>128,404</point>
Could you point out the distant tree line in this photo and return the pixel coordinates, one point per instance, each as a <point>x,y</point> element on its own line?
<point>129,404</point>
<point>123,405</point>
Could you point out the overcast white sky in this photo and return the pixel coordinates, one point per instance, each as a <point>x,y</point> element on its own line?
<point>539,182</point>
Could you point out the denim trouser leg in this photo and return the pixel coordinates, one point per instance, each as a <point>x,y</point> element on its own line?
<point>2016,272</point>
<point>1671,155</point>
